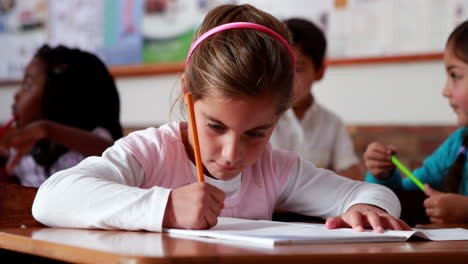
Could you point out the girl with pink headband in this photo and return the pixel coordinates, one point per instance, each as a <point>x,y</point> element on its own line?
<point>240,73</point>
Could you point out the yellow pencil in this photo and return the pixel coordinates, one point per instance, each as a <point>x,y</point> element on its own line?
<point>196,145</point>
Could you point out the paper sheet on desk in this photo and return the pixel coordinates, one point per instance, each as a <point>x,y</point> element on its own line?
<point>444,234</point>
<point>276,233</point>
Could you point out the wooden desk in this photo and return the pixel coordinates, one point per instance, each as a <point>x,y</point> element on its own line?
<point>95,246</point>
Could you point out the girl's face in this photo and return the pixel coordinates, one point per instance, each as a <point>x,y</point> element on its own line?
<point>456,88</point>
<point>28,98</point>
<point>233,133</point>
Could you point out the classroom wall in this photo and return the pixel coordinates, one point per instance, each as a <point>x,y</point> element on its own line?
<point>405,94</point>
<point>373,94</point>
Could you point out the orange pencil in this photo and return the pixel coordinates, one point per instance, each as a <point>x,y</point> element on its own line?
<point>196,145</point>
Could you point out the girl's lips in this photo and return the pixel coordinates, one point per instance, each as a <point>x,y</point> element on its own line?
<point>227,168</point>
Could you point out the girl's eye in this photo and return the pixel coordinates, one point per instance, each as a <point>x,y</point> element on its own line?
<point>255,134</point>
<point>215,127</point>
<point>455,76</point>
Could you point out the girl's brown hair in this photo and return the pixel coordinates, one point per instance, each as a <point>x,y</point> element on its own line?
<point>241,62</point>
<point>458,42</point>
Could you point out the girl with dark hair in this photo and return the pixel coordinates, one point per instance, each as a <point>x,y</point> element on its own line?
<point>443,172</point>
<point>67,108</point>
<point>240,72</point>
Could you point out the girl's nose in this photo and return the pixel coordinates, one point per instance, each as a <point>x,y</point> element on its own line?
<point>446,91</point>
<point>231,149</point>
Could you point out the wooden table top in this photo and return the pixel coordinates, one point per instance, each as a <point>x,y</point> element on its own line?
<point>98,246</point>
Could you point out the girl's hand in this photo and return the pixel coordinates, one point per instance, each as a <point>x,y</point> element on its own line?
<point>195,206</point>
<point>377,160</point>
<point>360,216</point>
<point>445,208</point>
<point>23,140</point>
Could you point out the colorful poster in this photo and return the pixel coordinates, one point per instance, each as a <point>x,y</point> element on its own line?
<point>123,42</point>
<point>110,28</point>
<point>158,31</point>
<point>22,32</point>
<point>169,26</point>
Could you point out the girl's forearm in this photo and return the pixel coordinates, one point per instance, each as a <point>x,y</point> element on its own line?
<point>76,139</point>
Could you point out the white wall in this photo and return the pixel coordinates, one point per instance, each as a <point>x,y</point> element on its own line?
<point>409,93</point>
<point>148,100</point>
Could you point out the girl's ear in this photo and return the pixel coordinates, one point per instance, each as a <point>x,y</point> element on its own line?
<point>183,86</point>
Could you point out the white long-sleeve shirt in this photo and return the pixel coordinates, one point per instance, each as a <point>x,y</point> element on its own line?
<point>105,192</point>
<point>320,137</point>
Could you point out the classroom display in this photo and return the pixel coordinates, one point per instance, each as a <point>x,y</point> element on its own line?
<point>141,32</point>
<point>121,32</point>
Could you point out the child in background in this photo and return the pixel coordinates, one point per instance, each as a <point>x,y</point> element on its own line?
<point>446,180</point>
<point>241,80</point>
<point>67,107</point>
<point>308,128</point>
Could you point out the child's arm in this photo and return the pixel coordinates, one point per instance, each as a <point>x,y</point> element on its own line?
<point>432,171</point>
<point>101,192</point>
<point>318,192</point>
<point>79,140</point>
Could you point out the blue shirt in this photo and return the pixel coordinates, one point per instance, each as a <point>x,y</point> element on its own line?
<point>434,168</point>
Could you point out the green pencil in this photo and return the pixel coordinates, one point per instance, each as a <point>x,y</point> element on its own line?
<point>408,173</point>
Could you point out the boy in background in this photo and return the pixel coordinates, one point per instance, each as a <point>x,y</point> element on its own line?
<point>314,132</point>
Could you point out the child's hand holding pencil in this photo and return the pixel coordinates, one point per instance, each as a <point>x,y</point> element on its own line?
<point>194,206</point>
<point>377,158</point>
<point>381,161</point>
<point>198,205</point>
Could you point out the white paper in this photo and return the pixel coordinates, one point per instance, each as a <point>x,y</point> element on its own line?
<point>269,233</point>
<point>444,234</point>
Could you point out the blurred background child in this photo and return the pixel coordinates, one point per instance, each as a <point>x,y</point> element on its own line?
<point>311,130</point>
<point>446,180</point>
<point>67,108</point>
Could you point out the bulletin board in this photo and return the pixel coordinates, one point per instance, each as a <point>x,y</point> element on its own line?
<point>133,37</point>
<point>148,37</point>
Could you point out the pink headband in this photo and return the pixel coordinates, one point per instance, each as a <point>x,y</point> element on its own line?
<point>240,25</point>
